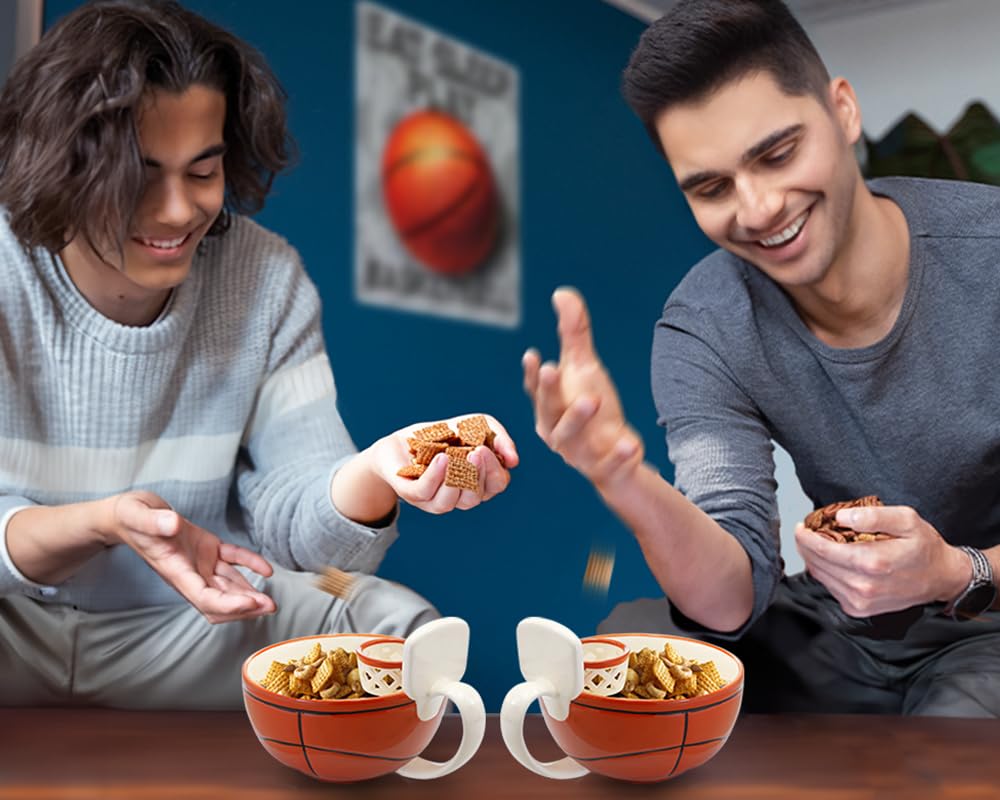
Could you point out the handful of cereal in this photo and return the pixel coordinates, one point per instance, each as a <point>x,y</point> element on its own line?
<point>317,676</point>
<point>440,438</point>
<point>824,522</point>
<point>667,675</point>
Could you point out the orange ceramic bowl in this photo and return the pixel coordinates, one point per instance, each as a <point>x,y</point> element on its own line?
<point>652,740</point>
<point>333,740</point>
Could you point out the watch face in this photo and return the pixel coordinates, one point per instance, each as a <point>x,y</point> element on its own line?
<point>975,601</point>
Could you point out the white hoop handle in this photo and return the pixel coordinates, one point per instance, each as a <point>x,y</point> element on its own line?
<point>515,706</point>
<point>434,658</point>
<point>551,658</point>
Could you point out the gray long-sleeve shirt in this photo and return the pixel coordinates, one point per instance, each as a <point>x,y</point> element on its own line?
<point>225,406</point>
<point>913,418</point>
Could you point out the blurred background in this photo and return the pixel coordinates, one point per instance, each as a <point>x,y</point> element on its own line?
<point>595,208</point>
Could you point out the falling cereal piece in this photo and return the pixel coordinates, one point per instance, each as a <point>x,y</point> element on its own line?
<point>597,575</point>
<point>336,582</point>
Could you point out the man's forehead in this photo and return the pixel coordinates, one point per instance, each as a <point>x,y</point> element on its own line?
<point>724,126</point>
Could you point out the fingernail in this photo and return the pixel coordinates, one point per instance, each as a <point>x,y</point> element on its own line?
<point>165,521</point>
<point>848,517</point>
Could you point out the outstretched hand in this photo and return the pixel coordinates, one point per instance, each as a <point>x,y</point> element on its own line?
<point>577,410</point>
<point>914,567</point>
<point>194,561</point>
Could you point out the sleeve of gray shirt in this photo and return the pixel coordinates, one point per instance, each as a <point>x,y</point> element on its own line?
<point>720,448</point>
<point>295,444</point>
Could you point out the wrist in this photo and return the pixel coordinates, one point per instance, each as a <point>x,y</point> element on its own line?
<point>957,574</point>
<point>101,520</point>
<point>359,492</point>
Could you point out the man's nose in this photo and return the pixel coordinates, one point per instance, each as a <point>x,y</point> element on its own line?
<point>173,205</point>
<point>759,204</point>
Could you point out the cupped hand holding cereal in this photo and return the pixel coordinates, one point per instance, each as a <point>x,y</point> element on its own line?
<point>455,463</point>
<point>908,564</point>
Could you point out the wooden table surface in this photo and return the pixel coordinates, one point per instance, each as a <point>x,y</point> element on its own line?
<point>77,754</point>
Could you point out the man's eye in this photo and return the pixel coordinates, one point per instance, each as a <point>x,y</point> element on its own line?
<point>712,190</point>
<point>780,155</point>
<point>203,177</point>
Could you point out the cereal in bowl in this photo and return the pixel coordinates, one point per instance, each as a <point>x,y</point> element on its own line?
<point>318,675</point>
<point>667,675</point>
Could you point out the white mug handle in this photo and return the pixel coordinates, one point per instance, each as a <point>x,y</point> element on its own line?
<point>515,706</point>
<point>434,659</point>
<point>551,659</point>
<point>473,713</point>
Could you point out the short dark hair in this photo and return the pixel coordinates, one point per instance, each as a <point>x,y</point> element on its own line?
<point>700,45</point>
<point>70,161</point>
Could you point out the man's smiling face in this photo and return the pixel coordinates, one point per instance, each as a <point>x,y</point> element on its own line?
<point>770,177</point>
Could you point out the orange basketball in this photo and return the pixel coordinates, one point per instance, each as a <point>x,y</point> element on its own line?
<point>440,192</point>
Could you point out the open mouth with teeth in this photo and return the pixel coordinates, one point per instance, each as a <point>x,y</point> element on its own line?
<point>163,244</point>
<point>787,234</point>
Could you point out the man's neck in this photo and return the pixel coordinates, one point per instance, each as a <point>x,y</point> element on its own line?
<point>859,300</point>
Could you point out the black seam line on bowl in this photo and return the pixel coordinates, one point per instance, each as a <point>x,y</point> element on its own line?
<point>316,749</point>
<point>677,747</point>
<point>680,751</point>
<point>657,713</point>
<point>302,744</point>
<point>324,713</point>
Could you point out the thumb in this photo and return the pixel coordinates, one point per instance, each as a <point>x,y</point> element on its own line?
<point>138,514</point>
<point>576,343</point>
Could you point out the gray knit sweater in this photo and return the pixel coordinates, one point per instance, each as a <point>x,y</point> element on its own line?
<point>225,407</point>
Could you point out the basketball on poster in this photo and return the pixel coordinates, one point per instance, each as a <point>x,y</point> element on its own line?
<point>436,173</point>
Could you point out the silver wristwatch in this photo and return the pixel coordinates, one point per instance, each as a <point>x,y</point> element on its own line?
<point>981,592</point>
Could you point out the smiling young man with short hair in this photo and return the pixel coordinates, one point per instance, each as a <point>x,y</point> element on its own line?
<point>852,323</point>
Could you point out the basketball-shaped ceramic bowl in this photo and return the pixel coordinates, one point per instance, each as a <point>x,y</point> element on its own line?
<point>651,740</point>
<point>333,740</point>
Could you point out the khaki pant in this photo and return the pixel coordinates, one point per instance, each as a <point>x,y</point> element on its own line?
<point>169,656</point>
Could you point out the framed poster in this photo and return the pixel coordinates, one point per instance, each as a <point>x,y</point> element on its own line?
<point>436,173</point>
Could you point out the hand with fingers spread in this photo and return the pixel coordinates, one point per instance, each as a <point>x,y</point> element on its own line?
<point>199,565</point>
<point>577,410</point>
<point>912,567</point>
<point>373,473</point>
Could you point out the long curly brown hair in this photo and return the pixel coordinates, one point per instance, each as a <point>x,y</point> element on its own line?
<point>70,162</point>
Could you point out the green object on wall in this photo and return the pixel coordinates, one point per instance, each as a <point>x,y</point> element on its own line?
<point>969,151</point>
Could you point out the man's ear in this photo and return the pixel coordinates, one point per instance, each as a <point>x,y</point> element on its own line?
<point>845,109</point>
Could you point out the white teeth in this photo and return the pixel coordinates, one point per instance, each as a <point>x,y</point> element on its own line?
<point>788,233</point>
<point>164,244</point>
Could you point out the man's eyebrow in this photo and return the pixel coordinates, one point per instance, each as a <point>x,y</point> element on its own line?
<point>770,141</point>
<point>752,153</point>
<point>208,152</point>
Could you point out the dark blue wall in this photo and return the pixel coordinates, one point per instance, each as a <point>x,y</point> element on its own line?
<point>599,210</point>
